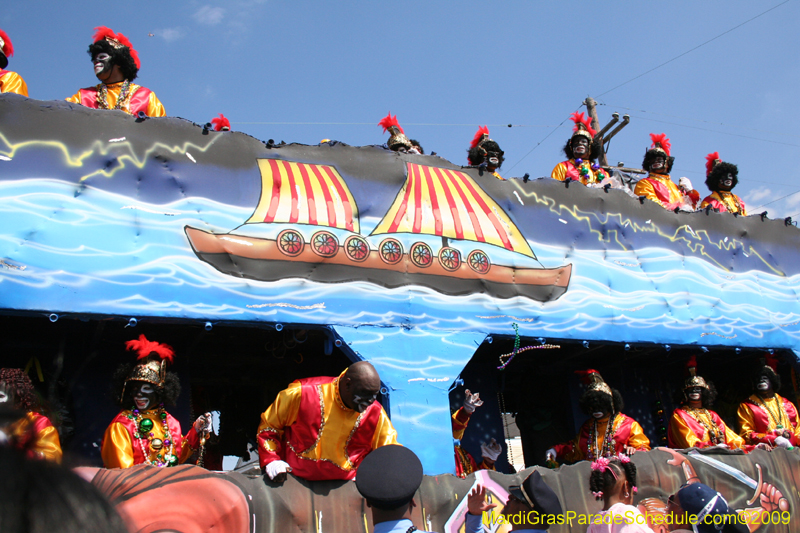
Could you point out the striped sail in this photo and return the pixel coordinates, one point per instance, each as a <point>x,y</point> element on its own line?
<point>449,203</point>
<point>303,193</point>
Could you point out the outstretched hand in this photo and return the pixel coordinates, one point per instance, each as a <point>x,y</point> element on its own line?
<point>472,401</point>
<point>203,424</point>
<point>476,501</point>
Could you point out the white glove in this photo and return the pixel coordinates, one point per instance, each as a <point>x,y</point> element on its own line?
<point>203,424</point>
<point>550,454</point>
<point>277,467</point>
<point>685,184</point>
<point>721,445</point>
<point>783,442</point>
<point>472,401</point>
<point>491,451</point>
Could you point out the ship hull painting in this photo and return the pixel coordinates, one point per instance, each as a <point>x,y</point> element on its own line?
<point>433,202</point>
<point>262,259</point>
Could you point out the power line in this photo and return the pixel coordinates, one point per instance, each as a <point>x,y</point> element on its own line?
<point>776,200</point>
<point>407,124</point>
<point>693,49</point>
<point>697,120</point>
<point>540,142</point>
<point>717,131</point>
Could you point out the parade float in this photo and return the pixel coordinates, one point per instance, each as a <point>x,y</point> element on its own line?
<point>261,263</point>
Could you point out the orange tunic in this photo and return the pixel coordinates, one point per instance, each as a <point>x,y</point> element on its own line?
<point>465,463</point>
<point>309,427</point>
<point>140,99</point>
<point>625,432</point>
<point>37,435</point>
<point>567,170</point>
<point>757,423</point>
<point>121,448</point>
<point>725,201</point>
<point>11,82</point>
<point>661,189</point>
<point>688,428</point>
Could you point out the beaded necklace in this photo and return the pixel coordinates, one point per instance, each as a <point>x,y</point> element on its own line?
<point>585,170</point>
<point>144,434</point>
<point>608,447</point>
<point>714,432</point>
<point>122,101</point>
<point>776,418</point>
<point>730,200</point>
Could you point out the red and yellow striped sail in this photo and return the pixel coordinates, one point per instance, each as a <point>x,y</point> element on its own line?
<point>449,203</point>
<point>303,193</point>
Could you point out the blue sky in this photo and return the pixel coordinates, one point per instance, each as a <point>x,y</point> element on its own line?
<point>304,71</point>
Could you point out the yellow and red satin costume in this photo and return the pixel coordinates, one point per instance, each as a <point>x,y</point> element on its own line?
<point>567,170</point>
<point>465,464</point>
<point>140,99</point>
<point>120,449</point>
<point>686,429</point>
<point>661,189</point>
<point>309,427</point>
<point>38,437</point>
<point>757,424</point>
<point>11,82</point>
<point>725,202</point>
<point>626,432</point>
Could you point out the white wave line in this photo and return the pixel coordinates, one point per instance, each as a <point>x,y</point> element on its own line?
<point>431,380</point>
<point>626,264</point>
<point>167,213</point>
<point>623,309</point>
<point>718,335</point>
<point>283,304</point>
<point>507,316</point>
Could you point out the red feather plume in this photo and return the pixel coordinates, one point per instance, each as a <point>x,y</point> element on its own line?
<point>388,121</point>
<point>483,130</point>
<point>8,48</point>
<point>221,123</point>
<point>710,161</point>
<point>692,362</point>
<point>101,32</point>
<point>144,348</point>
<point>586,121</point>
<point>585,375</point>
<point>660,139</point>
<point>771,361</point>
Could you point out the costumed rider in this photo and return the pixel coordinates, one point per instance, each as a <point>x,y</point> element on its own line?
<point>398,142</point>
<point>693,424</point>
<point>116,65</point>
<point>581,152</point>
<point>389,477</point>
<point>607,432</point>
<point>323,427</point>
<point>465,464</point>
<point>658,186</point>
<point>144,432</point>
<point>485,153</point>
<point>10,82</point>
<point>34,432</point>
<point>766,416</point>
<point>721,178</point>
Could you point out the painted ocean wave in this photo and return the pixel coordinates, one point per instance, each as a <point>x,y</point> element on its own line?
<point>92,251</point>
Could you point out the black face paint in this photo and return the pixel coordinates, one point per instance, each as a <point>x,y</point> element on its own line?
<point>103,64</point>
<point>143,396</point>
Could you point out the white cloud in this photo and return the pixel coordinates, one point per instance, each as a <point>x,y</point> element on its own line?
<point>755,197</point>
<point>171,34</point>
<point>209,15</point>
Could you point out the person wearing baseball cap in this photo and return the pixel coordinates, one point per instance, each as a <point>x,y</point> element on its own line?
<point>699,508</point>
<point>10,82</point>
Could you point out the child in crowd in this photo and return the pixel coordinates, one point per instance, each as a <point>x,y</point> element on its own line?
<point>613,480</point>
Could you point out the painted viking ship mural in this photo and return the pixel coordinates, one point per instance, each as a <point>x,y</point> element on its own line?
<point>263,263</point>
<point>433,202</point>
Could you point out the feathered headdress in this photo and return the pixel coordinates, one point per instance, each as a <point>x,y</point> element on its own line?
<point>117,40</point>
<point>583,126</point>
<point>6,47</point>
<point>481,136</point>
<point>398,137</point>
<point>711,161</point>
<point>154,367</point>
<point>660,143</point>
<point>594,380</point>
<point>221,123</point>
<point>693,380</point>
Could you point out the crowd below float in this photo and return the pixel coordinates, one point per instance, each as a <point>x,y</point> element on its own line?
<point>358,432</point>
<point>116,65</point>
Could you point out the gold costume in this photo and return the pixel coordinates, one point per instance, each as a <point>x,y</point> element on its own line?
<point>84,97</point>
<point>11,82</point>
